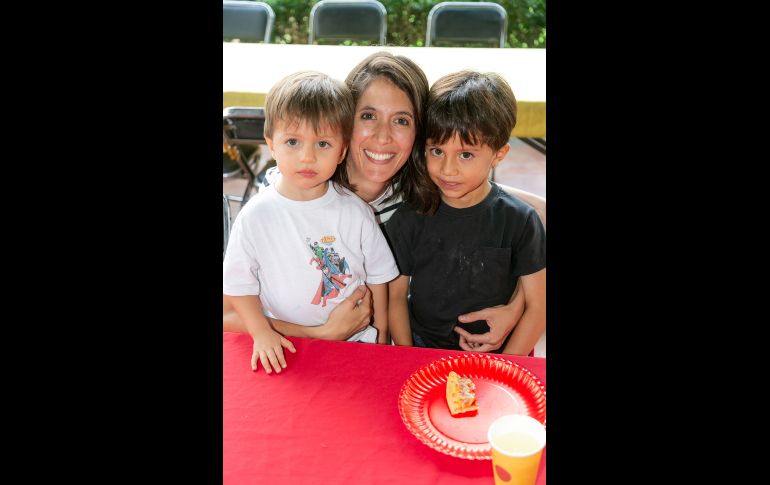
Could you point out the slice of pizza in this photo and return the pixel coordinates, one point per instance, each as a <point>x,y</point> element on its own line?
<point>460,394</point>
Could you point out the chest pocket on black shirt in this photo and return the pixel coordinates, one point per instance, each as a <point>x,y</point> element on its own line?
<point>475,274</point>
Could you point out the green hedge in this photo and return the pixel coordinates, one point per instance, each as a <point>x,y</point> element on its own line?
<point>407,21</point>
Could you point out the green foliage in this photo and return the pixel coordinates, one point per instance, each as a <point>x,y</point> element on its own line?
<point>291,20</point>
<point>407,20</point>
<point>526,23</point>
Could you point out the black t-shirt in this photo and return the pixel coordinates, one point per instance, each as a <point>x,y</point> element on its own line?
<point>464,260</point>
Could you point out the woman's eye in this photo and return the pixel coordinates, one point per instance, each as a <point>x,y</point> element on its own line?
<point>436,152</point>
<point>367,116</point>
<point>402,121</point>
<point>466,155</point>
<point>292,142</point>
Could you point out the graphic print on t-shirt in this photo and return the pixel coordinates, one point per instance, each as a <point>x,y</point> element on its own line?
<point>334,269</point>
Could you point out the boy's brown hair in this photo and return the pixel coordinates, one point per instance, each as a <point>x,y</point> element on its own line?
<point>479,108</point>
<point>312,97</point>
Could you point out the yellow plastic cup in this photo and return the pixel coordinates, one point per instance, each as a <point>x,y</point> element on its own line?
<point>517,445</point>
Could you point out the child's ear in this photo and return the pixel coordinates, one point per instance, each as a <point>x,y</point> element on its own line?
<point>344,152</point>
<point>500,154</point>
<point>270,146</point>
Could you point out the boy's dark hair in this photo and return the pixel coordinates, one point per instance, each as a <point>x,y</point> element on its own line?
<point>313,97</point>
<point>412,182</point>
<point>479,108</point>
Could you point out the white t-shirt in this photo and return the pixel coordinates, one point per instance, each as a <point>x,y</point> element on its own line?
<point>303,258</point>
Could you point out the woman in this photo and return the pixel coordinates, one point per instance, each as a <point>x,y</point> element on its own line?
<point>385,166</point>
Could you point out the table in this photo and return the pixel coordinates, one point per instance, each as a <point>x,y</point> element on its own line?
<point>345,393</point>
<point>249,70</point>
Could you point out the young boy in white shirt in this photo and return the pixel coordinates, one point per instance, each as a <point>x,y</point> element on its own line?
<point>305,244</point>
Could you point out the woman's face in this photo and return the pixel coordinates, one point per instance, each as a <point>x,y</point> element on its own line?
<point>383,133</point>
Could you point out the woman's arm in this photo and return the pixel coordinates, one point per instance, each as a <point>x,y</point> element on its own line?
<point>537,202</point>
<point>346,319</point>
<point>398,311</point>
<point>501,320</point>
<point>532,323</point>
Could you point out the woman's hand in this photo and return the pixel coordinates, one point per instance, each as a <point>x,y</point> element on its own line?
<point>501,320</point>
<point>347,318</point>
<point>352,315</point>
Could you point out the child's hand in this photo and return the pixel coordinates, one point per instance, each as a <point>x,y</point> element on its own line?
<point>268,349</point>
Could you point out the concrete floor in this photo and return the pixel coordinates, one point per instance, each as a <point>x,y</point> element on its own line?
<point>523,168</point>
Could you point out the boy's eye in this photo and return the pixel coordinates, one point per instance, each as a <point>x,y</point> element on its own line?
<point>436,152</point>
<point>466,155</point>
<point>323,144</point>
<point>292,142</point>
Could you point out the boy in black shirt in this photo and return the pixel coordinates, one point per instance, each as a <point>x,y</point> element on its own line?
<point>471,252</point>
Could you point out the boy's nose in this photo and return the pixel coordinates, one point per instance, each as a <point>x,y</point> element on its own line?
<point>448,167</point>
<point>307,154</point>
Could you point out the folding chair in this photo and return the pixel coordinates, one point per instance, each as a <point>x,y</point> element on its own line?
<point>348,20</point>
<point>226,221</point>
<point>243,127</point>
<point>247,21</point>
<point>467,22</point>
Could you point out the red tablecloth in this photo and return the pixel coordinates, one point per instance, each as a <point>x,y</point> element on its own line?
<point>331,417</point>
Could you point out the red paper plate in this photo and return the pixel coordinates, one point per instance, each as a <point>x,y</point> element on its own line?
<point>502,387</point>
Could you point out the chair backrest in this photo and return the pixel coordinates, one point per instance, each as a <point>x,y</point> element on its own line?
<point>244,125</point>
<point>467,22</point>
<point>243,130</point>
<point>247,21</point>
<point>348,20</point>
<point>226,220</point>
